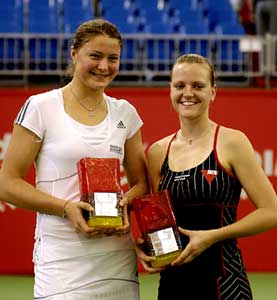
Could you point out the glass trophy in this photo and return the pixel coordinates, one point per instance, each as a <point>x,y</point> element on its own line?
<point>156,221</point>
<point>99,182</point>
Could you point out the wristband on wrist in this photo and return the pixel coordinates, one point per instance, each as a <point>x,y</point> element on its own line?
<point>64,206</point>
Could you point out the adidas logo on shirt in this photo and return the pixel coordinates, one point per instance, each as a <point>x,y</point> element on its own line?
<point>120,125</point>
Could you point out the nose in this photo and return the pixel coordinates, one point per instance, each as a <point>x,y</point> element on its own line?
<point>187,91</point>
<point>103,64</point>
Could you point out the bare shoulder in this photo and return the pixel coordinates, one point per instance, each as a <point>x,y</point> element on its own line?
<point>232,138</point>
<point>159,147</point>
<point>155,156</point>
<point>233,147</point>
<point>157,152</point>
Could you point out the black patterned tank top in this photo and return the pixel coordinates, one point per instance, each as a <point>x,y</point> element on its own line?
<point>203,197</point>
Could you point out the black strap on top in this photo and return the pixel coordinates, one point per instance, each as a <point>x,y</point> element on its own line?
<point>174,136</point>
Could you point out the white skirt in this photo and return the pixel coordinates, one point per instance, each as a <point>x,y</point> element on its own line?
<point>109,275</point>
<point>104,290</point>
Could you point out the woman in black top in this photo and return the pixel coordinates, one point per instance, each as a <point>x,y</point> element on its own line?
<point>204,166</point>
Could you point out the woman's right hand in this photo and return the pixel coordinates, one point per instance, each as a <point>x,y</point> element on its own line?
<point>145,259</point>
<point>73,211</point>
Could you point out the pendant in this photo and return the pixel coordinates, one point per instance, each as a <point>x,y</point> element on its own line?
<point>91,114</point>
<point>190,142</point>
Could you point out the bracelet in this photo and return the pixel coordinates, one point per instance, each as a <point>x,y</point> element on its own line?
<point>64,206</point>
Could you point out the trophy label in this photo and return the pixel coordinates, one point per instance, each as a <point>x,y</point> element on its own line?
<point>163,241</point>
<point>105,204</point>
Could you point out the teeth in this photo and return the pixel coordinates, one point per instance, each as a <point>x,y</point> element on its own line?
<point>187,103</point>
<point>102,75</point>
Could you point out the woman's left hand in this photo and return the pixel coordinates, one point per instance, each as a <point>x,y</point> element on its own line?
<point>199,241</point>
<point>125,227</point>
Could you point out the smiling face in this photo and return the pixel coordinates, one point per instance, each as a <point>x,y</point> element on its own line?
<point>191,90</point>
<point>96,63</point>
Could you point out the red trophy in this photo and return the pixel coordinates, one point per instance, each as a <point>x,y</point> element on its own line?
<point>99,181</point>
<point>156,221</point>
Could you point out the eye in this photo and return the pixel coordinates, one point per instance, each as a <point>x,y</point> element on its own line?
<point>198,86</point>
<point>113,58</point>
<point>94,55</point>
<point>179,86</point>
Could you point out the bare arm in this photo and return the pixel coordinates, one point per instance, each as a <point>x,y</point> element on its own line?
<point>136,172</point>
<point>243,161</point>
<point>237,155</point>
<point>21,153</point>
<point>135,167</point>
<point>155,156</point>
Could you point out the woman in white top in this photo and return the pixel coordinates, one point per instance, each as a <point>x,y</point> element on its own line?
<point>55,130</point>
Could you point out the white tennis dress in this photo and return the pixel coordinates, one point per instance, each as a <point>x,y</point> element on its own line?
<point>67,264</point>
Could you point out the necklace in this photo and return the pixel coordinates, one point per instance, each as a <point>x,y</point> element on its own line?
<point>191,140</point>
<point>90,110</point>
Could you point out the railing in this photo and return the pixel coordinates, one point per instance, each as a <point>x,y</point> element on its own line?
<point>146,59</point>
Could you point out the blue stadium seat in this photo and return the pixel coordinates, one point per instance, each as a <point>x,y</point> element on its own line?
<point>43,16</point>
<point>198,46</point>
<point>221,16</point>
<point>216,4</point>
<point>191,15</point>
<point>43,53</point>
<point>227,52</point>
<point>161,53</point>
<point>188,17</point>
<point>126,28</point>
<point>122,19</point>
<point>185,4</point>
<point>231,28</point>
<point>131,54</point>
<point>110,4</point>
<point>122,15</point>
<point>75,12</point>
<point>11,16</point>
<point>224,20</point>
<point>158,28</point>
<point>196,28</point>
<point>12,53</point>
<point>115,10</point>
<point>11,49</point>
<point>151,18</point>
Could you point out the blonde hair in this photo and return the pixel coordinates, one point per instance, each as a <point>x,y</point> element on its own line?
<point>198,59</point>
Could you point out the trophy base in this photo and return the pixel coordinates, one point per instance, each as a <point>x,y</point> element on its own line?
<point>165,259</point>
<point>105,222</point>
